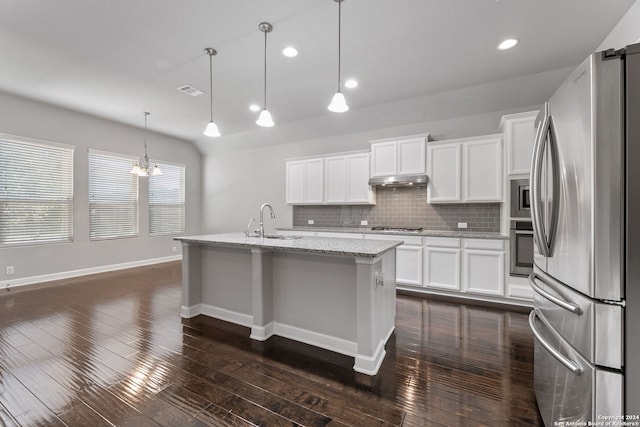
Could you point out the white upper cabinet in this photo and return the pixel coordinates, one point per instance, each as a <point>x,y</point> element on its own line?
<point>519,134</point>
<point>304,181</point>
<point>465,170</point>
<point>444,168</point>
<point>313,181</point>
<point>346,180</point>
<point>384,158</point>
<point>295,182</point>
<point>482,168</point>
<point>400,156</point>
<point>337,179</point>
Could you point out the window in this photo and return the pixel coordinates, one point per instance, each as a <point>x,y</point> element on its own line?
<point>36,191</point>
<point>113,196</point>
<point>166,201</point>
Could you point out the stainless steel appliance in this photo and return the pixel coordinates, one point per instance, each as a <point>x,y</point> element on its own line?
<point>520,198</point>
<point>586,221</point>
<point>521,244</point>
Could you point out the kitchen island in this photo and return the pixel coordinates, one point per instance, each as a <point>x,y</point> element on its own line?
<point>337,294</point>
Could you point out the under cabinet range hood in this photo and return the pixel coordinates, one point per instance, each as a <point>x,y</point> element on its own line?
<point>399,181</point>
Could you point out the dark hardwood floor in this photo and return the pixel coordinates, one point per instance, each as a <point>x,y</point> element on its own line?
<point>111,349</point>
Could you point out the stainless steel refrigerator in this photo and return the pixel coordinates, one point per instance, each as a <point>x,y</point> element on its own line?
<point>585,191</point>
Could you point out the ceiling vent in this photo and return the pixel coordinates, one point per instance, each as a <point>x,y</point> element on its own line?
<point>190,90</point>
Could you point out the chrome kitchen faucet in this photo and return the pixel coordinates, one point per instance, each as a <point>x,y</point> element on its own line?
<point>273,216</point>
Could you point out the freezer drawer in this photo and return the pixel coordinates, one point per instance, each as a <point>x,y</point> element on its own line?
<point>592,327</point>
<point>569,388</point>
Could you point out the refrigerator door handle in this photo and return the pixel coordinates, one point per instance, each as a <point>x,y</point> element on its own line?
<point>555,192</point>
<point>545,238</point>
<point>569,306</point>
<point>573,366</point>
<point>535,182</point>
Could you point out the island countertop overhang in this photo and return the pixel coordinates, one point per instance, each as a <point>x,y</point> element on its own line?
<point>316,245</point>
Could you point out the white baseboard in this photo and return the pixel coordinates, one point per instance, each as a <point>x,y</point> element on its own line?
<point>365,364</point>
<point>85,271</point>
<point>262,333</point>
<point>371,365</point>
<point>339,345</point>
<point>189,312</point>
<point>226,315</point>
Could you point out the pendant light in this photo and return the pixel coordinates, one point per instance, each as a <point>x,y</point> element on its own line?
<point>338,103</point>
<point>265,119</point>
<point>212,128</point>
<point>141,168</point>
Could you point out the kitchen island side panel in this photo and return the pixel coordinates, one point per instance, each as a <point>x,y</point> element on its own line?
<point>316,293</point>
<point>227,278</point>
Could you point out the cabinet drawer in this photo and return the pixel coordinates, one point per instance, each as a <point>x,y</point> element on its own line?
<point>408,240</point>
<point>443,242</point>
<point>489,244</point>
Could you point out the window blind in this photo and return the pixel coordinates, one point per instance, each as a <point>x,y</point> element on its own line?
<point>113,196</point>
<point>166,201</point>
<point>36,192</point>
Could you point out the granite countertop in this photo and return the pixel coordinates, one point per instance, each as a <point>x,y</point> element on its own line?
<point>319,245</point>
<point>427,233</point>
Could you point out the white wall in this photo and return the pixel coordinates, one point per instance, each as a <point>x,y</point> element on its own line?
<point>627,31</point>
<point>22,117</point>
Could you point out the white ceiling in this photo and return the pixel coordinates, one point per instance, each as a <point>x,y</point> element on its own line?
<point>116,59</point>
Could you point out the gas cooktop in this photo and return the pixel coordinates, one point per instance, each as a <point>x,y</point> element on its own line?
<point>398,229</point>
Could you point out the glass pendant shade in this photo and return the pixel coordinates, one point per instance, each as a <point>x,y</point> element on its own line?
<point>211,130</point>
<point>156,170</point>
<point>338,103</point>
<point>136,169</point>
<point>265,119</point>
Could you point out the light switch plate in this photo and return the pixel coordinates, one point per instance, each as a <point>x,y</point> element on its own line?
<point>365,222</point>
<point>10,270</point>
<point>310,222</point>
<point>462,225</point>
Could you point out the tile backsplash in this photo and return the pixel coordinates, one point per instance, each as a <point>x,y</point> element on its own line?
<point>404,206</point>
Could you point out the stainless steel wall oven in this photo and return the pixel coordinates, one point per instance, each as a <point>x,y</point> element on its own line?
<point>521,243</point>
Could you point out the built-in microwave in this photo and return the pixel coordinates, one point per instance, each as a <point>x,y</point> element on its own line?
<point>520,199</point>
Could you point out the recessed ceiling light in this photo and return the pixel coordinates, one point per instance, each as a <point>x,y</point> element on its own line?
<point>351,83</point>
<point>254,107</point>
<point>290,52</point>
<point>507,44</point>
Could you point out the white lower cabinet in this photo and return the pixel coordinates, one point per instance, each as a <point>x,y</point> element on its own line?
<point>479,262</point>
<point>483,267</point>
<point>408,257</point>
<point>442,263</point>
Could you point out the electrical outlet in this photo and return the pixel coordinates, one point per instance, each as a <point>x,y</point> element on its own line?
<point>462,225</point>
<point>365,222</point>
<point>174,248</point>
<point>10,270</point>
<point>310,222</point>
<point>379,278</point>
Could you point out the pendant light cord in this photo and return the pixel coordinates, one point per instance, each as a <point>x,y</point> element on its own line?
<point>145,132</point>
<point>339,38</point>
<point>265,70</point>
<point>211,83</point>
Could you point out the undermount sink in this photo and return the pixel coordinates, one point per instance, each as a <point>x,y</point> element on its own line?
<point>281,237</point>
